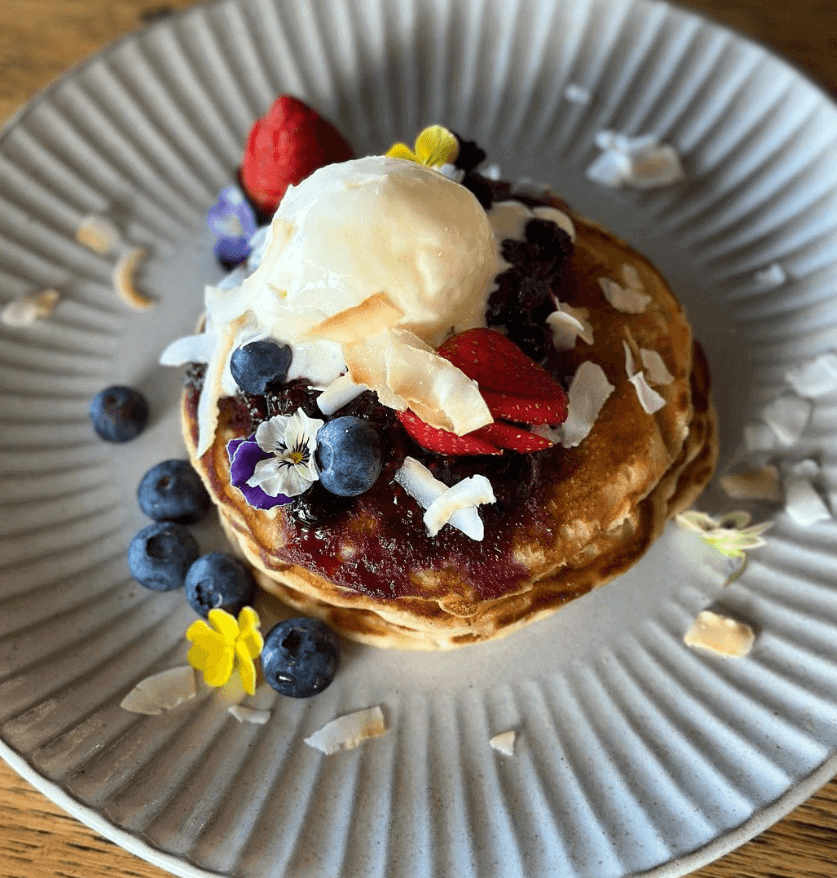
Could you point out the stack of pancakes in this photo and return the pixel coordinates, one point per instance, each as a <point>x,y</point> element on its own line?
<point>584,516</point>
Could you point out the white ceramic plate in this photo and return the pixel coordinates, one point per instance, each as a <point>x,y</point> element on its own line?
<point>634,753</point>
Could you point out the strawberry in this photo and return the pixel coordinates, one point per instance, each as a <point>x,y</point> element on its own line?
<point>525,410</point>
<point>443,441</point>
<point>497,363</point>
<point>286,145</point>
<point>513,438</point>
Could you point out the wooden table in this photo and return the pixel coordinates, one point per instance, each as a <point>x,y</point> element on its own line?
<point>41,38</point>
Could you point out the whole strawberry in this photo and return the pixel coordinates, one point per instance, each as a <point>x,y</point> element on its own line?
<point>286,145</point>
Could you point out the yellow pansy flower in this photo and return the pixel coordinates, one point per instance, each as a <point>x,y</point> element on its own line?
<point>435,146</point>
<point>217,649</point>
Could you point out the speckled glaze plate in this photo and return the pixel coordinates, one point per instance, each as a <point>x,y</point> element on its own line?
<point>634,754</point>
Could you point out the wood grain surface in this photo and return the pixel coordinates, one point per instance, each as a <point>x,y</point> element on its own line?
<point>39,39</point>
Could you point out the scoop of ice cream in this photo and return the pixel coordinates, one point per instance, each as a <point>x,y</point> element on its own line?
<point>369,226</point>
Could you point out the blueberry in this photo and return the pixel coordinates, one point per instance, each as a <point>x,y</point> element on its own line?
<point>260,364</point>
<point>160,555</point>
<point>118,413</point>
<point>349,456</point>
<point>300,657</point>
<point>173,491</point>
<point>219,581</point>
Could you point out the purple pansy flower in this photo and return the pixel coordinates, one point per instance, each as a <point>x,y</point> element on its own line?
<point>244,455</point>
<point>233,222</point>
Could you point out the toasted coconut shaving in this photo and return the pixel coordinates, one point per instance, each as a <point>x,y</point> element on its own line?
<point>124,279</point>
<point>468,493</point>
<point>578,94</point>
<point>788,417</point>
<point>372,316</point>
<point>161,692</point>
<point>816,377</point>
<point>340,392</point>
<point>98,233</point>
<point>25,310</point>
<point>772,276</point>
<point>649,399</point>
<point>720,634</point>
<point>802,502</point>
<point>567,325</point>
<point>588,392</point>
<point>349,731</point>
<point>625,299</point>
<point>655,367</point>
<point>762,484</point>
<point>504,742</point>
<point>249,714</point>
<point>759,437</point>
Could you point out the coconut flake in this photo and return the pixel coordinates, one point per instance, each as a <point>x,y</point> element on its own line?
<point>627,299</point>
<point>504,742</point>
<point>161,692</point>
<point>815,377</point>
<point>588,392</point>
<point>249,714</point>
<point>788,417</point>
<point>123,279</point>
<point>349,731</point>
<point>577,94</point>
<point>656,166</point>
<point>426,490</point>
<point>802,502</point>
<point>373,315</point>
<point>772,276</point>
<point>758,485</point>
<point>642,162</point>
<point>340,392</point>
<point>649,399</point>
<point>492,172</point>
<point>189,349</point>
<point>567,325</point>
<point>26,309</point>
<point>759,437</point>
<point>611,169</point>
<point>467,493</point>
<point>655,367</point>
<point>98,233</point>
<point>720,634</point>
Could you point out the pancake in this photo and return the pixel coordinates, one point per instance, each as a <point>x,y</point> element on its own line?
<point>566,520</point>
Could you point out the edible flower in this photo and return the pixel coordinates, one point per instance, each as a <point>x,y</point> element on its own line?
<point>435,146</point>
<point>291,468</point>
<point>233,223</point>
<point>731,534</point>
<point>244,455</point>
<point>218,649</point>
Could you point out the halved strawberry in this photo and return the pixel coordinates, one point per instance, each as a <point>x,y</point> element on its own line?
<point>497,363</point>
<point>525,411</point>
<point>513,438</point>
<point>443,441</point>
<point>286,145</point>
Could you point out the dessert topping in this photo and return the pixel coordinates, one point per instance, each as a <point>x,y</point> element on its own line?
<point>720,634</point>
<point>160,692</point>
<point>425,489</point>
<point>468,493</point>
<point>504,742</point>
<point>224,644</point>
<point>435,147</point>
<point>26,309</point>
<point>340,392</point>
<point>349,456</point>
<point>119,413</point>
<point>124,279</point>
<point>568,324</point>
<point>244,454</point>
<point>98,234</point>
<point>588,392</point>
<point>649,399</point>
<point>761,484</point>
<point>284,147</point>
<point>788,417</point>
<point>349,731</point>
<point>772,276</point>
<point>642,162</point>
<point>300,657</point>
<point>218,581</point>
<point>249,714</point>
<point>802,502</point>
<point>292,467</point>
<point>259,364</point>
<point>630,298</point>
<point>160,555</point>
<point>815,377</point>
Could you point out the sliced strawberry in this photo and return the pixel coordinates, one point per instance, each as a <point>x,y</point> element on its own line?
<point>497,363</point>
<point>513,438</point>
<point>525,411</point>
<point>443,441</point>
<point>286,145</point>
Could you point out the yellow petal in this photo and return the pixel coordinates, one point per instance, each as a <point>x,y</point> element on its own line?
<point>198,657</point>
<point>248,620</point>
<point>196,630</point>
<point>436,146</point>
<point>252,643</point>
<point>401,151</point>
<point>225,624</point>
<point>218,672</point>
<point>246,669</point>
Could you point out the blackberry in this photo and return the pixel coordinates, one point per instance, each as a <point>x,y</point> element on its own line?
<point>470,155</point>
